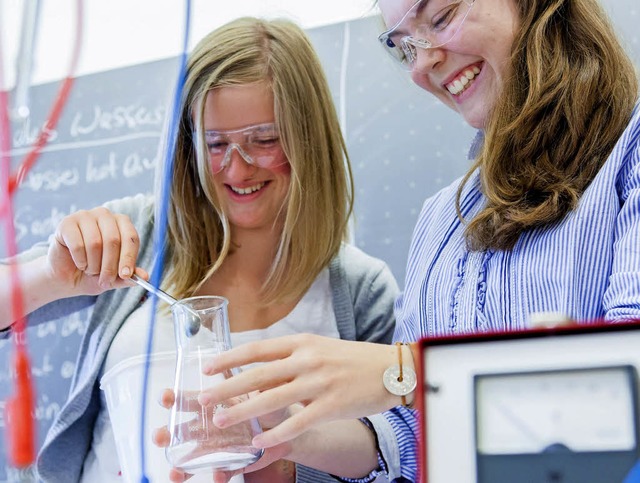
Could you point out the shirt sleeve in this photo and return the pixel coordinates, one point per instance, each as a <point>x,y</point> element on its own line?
<point>396,433</point>
<point>622,298</point>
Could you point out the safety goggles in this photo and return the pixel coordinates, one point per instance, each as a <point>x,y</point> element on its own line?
<point>259,145</point>
<point>431,23</point>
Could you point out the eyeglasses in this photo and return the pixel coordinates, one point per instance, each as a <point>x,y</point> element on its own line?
<point>259,145</point>
<point>433,23</point>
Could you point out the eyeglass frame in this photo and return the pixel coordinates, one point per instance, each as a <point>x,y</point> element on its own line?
<point>249,159</point>
<point>407,40</point>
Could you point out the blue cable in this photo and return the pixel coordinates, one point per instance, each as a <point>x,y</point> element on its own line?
<point>161,228</point>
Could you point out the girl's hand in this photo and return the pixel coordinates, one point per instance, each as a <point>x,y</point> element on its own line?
<point>331,379</point>
<point>93,251</point>
<point>270,467</point>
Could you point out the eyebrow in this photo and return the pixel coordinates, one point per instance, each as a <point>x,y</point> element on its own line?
<point>419,6</point>
<point>422,4</point>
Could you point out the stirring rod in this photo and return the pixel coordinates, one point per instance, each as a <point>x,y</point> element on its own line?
<point>150,288</point>
<point>193,324</point>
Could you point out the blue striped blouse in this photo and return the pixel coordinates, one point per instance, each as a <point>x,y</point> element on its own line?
<point>586,267</point>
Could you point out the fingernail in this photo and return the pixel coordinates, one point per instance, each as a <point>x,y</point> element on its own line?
<point>125,272</point>
<point>204,399</point>
<point>257,441</point>
<point>220,418</point>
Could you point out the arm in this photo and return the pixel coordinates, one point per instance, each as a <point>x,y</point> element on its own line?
<point>336,381</point>
<point>90,252</point>
<point>38,286</point>
<point>345,448</point>
<point>622,297</point>
<point>333,379</point>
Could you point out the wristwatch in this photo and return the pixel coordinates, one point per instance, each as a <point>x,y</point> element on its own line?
<point>399,380</point>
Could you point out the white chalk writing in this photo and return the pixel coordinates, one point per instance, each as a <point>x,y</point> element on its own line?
<point>25,135</point>
<point>130,117</point>
<point>51,179</point>
<point>97,172</point>
<point>42,227</point>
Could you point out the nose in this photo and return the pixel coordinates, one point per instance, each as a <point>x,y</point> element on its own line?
<point>238,165</point>
<point>427,59</point>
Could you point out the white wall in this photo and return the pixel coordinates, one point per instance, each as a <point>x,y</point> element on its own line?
<point>126,32</point>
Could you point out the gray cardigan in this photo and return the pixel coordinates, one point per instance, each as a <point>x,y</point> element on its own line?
<point>363,291</point>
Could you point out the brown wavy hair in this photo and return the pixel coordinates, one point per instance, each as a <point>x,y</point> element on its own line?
<point>571,92</point>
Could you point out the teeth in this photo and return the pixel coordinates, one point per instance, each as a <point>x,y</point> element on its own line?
<point>461,83</point>
<point>249,190</point>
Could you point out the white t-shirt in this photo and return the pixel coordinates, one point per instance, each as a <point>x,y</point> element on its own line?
<point>313,314</point>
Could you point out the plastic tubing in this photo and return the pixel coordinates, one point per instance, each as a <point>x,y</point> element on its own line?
<point>19,408</point>
<point>24,64</point>
<point>19,421</point>
<point>161,227</point>
<point>56,110</point>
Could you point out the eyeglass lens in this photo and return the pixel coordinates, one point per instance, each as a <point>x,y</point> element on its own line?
<point>257,145</point>
<point>428,24</point>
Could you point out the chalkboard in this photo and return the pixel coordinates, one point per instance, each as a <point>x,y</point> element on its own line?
<point>404,146</point>
<point>104,147</point>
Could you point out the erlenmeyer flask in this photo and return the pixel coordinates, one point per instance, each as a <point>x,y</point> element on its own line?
<point>201,327</point>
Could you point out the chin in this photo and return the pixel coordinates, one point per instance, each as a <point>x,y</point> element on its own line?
<point>475,120</point>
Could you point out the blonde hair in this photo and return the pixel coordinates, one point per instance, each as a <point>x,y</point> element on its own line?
<point>320,196</point>
<point>570,96</point>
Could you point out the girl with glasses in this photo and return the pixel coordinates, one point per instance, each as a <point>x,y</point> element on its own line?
<point>547,219</point>
<point>259,207</point>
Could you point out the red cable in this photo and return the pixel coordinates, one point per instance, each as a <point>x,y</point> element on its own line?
<point>43,137</point>
<point>56,110</point>
<point>19,408</point>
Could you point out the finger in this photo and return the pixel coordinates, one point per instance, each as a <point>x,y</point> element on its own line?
<point>177,475</point>
<point>69,236</point>
<point>260,351</point>
<point>269,456</point>
<point>187,401</point>
<point>267,402</point>
<point>167,398</point>
<point>161,437</point>
<point>91,241</point>
<point>140,272</point>
<point>290,428</point>
<point>259,378</point>
<point>111,243</point>
<point>129,246</point>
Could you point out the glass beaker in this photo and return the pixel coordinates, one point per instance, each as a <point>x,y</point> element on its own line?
<point>201,326</point>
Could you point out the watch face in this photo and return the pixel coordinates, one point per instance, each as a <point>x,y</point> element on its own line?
<point>581,410</point>
<point>393,383</point>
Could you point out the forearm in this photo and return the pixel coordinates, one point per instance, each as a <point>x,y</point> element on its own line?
<point>343,448</point>
<point>36,285</point>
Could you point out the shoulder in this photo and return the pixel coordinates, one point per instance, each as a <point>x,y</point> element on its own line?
<point>359,271</point>
<point>138,207</point>
<point>363,292</point>
<point>439,210</point>
<point>357,264</point>
<point>625,157</point>
<point>357,257</point>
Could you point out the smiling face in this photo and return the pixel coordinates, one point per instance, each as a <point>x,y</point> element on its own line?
<point>468,72</point>
<point>252,196</point>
